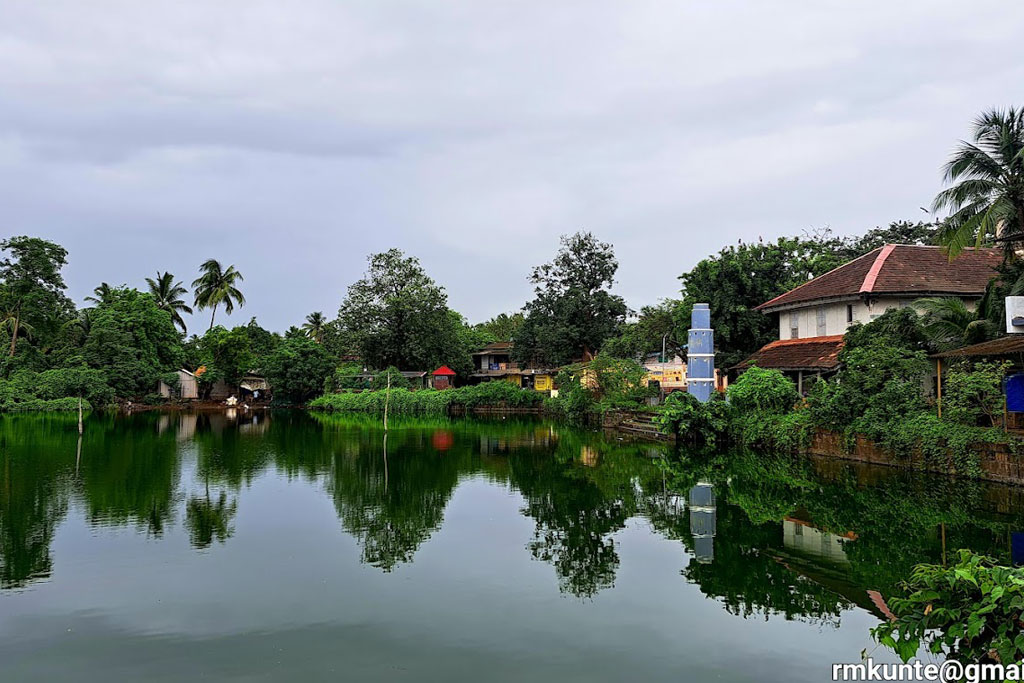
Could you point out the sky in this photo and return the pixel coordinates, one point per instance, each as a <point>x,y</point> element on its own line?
<point>293,139</point>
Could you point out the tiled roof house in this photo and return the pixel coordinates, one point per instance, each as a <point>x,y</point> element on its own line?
<point>814,316</point>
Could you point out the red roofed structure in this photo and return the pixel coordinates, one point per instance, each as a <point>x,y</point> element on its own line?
<point>814,316</point>
<point>442,377</point>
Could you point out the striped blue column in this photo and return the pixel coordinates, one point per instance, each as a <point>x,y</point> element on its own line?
<point>700,354</point>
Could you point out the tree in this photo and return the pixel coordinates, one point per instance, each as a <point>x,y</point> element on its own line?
<point>167,295</point>
<point>297,370</point>
<point>32,287</point>
<point>573,311</point>
<point>898,232</point>
<point>216,286</point>
<point>503,326</point>
<point>739,278</point>
<point>314,326</point>
<point>132,341</point>
<point>397,315</point>
<point>226,354</point>
<point>987,176</point>
<point>950,324</point>
<point>656,327</point>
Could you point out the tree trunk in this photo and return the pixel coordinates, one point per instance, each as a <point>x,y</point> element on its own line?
<point>213,315</point>
<point>14,334</point>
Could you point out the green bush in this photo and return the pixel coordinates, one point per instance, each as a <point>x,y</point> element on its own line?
<point>398,381</point>
<point>430,401</point>
<point>973,392</point>
<point>683,415</point>
<point>968,612</point>
<point>57,389</point>
<point>763,391</point>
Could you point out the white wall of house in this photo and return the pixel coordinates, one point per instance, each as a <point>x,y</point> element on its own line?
<point>822,320</point>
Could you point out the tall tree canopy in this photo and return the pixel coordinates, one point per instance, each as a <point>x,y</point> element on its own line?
<point>397,315</point>
<point>32,288</point>
<point>132,341</point>
<point>503,326</point>
<point>739,278</point>
<point>573,311</point>
<point>217,285</point>
<point>986,197</point>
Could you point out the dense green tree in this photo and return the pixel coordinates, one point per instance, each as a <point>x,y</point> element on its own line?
<point>739,278</point>
<point>898,232</point>
<point>32,288</point>
<point>226,355</point>
<point>573,311</point>
<point>656,327</point>
<point>986,196</point>
<point>262,342</point>
<point>167,294</point>
<point>132,341</point>
<point>397,315</point>
<point>217,285</point>
<point>502,327</point>
<point>297,370</point>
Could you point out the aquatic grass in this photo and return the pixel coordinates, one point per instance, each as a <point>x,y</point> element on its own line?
<point>430,401</point>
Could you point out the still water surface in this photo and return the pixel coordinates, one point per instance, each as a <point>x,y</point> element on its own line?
<point>287,546</point>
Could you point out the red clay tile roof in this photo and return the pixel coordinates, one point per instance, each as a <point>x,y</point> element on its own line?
<point>899,269</point>
<point>812,353</point>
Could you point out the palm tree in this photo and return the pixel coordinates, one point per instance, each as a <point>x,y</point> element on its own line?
<point>101,294</point>
<point>314,326</point>
<point>949,324</point>
<point>987,199</point>
<point>216,286</point>
<point>167,294</point>
<point>80,325</point>
<point>13,325</point>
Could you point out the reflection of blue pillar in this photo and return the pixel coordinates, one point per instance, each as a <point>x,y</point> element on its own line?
<point>703,521</point>
<point>700,354</point>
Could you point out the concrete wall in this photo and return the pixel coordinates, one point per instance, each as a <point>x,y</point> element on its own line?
<point>836,316</point>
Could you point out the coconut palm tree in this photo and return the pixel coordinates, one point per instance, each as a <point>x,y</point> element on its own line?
<point>101,294</point>
<point>13,325</point>
<point>314,326</point>
<point>80,325</point>
<point>986,199</point>
<point>949,324</point>
<point>216,286</point>
<point>167,294</point>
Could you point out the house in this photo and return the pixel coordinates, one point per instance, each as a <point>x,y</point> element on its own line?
<point>187,389</point>
<point>494,362</point>
<point>814,316</point>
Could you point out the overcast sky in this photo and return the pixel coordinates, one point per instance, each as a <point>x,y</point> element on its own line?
<point>291,139</point>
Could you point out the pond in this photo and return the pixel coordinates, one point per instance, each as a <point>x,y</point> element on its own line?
<point>290,546</point>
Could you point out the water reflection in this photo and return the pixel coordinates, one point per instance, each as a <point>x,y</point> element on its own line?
<point>763,536</point>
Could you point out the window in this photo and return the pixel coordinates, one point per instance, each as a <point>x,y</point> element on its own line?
<point>821,321</point>
<point>794,325</point>
<point>849,313</point>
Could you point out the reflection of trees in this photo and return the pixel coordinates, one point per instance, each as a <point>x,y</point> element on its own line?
<point>36,455</point>
<point>393,504</point>
<point>129,473</point>
<point>577,506</point>
<point>208,520</point>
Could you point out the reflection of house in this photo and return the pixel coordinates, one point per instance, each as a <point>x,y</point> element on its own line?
<point>494,362</point>
<point>801,537</point>
<point>814,316</point>
<point>187,389</point>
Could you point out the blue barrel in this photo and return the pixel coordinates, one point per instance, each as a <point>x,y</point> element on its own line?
<point>1015,393</point>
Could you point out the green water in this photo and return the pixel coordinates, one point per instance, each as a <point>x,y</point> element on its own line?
<point>291,547</point>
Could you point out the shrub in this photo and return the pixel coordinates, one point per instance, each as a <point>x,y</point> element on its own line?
<point>297,369</point>
<point>763,391</point>
<point>429,401</point>
<point>974,392</point>
<point>683,415</point>
<point>398,381</point>
<point>968,611</point>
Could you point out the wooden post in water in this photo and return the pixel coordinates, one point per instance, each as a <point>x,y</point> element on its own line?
<point>387,399</point>
<point>79,415</point>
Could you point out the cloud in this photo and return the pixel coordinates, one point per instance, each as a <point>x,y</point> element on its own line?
<point>293,139</point>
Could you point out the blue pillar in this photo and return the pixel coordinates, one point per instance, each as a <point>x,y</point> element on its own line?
<point>700,354</point>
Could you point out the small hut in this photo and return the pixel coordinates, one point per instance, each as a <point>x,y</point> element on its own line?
<point>442,377</point>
